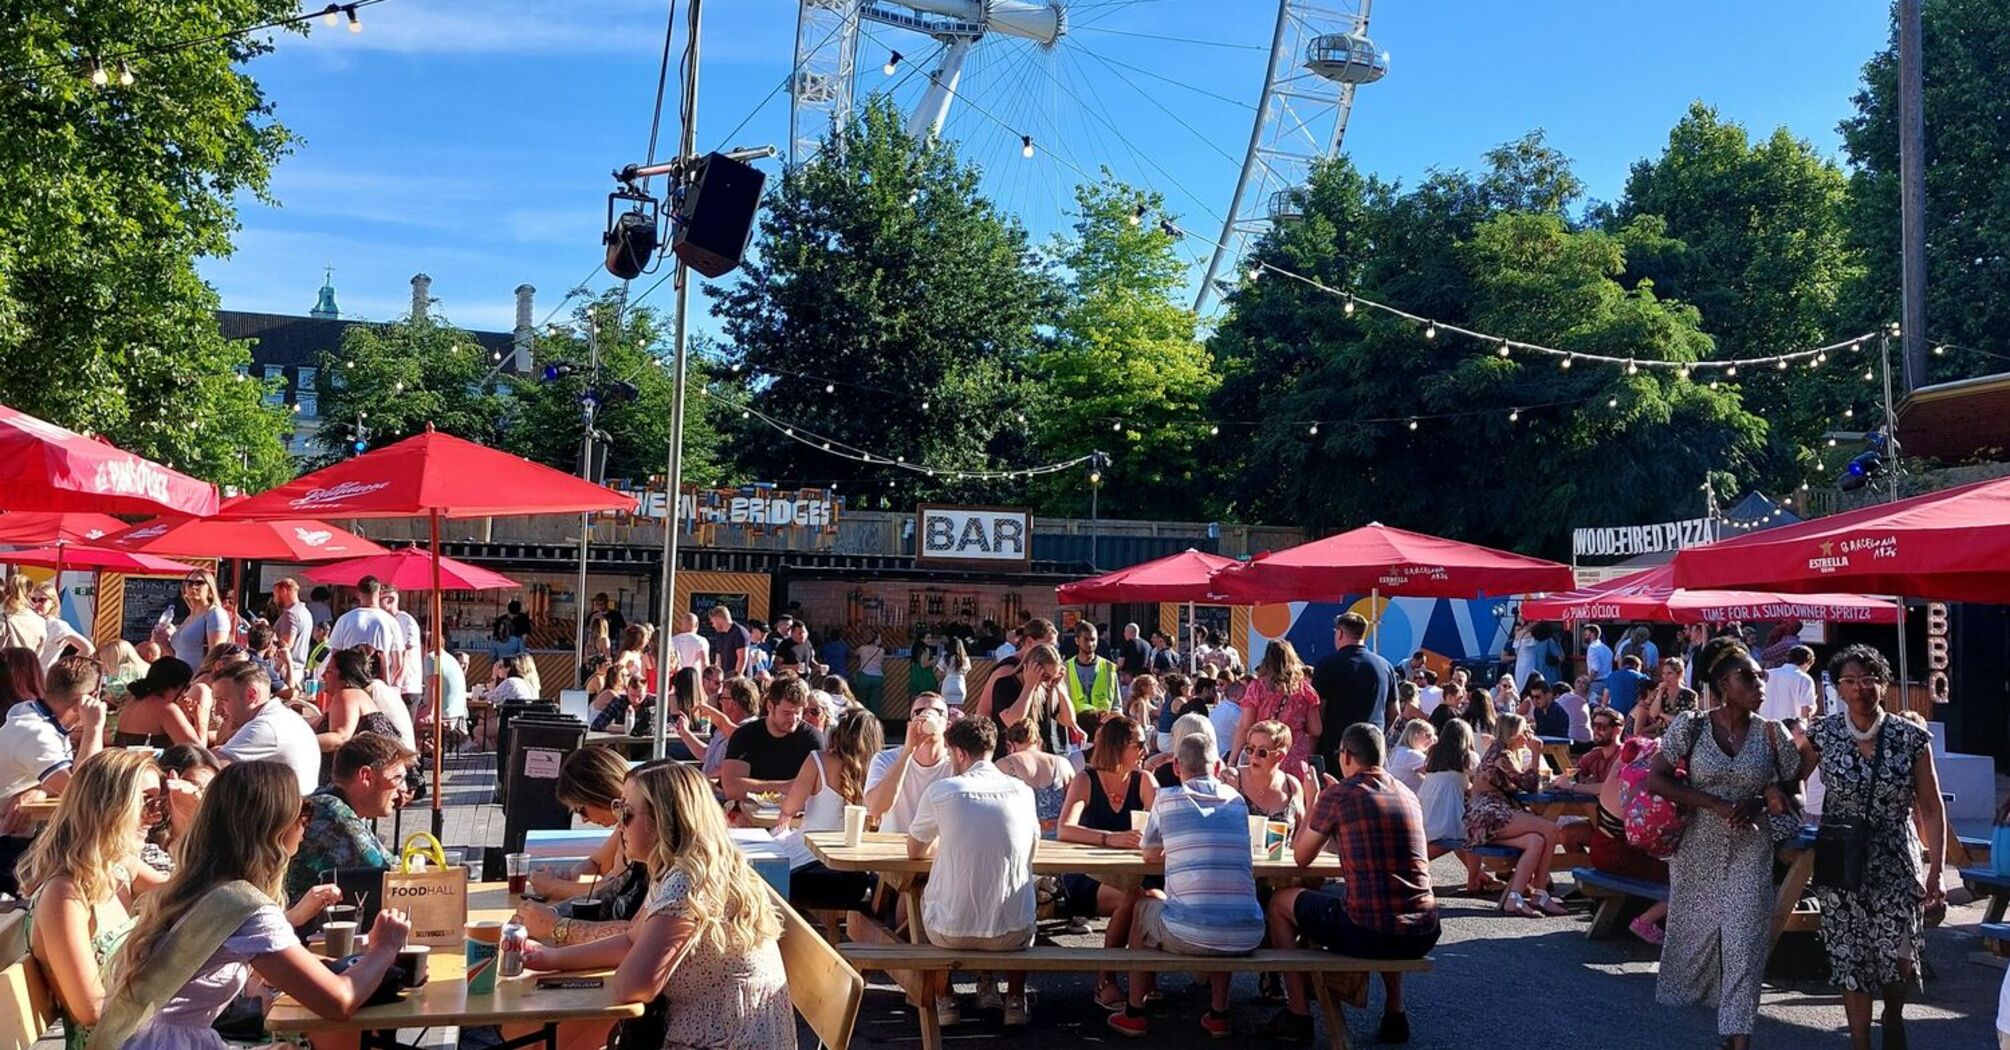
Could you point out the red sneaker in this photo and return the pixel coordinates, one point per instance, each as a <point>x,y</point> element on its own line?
<point>1130,1024</point>
<point>1216,1025</point>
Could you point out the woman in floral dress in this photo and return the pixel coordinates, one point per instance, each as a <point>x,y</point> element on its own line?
<point>1720,900</point>
<point>1510,764</point>
<point>1281,692</point>
<point>1878,769</point>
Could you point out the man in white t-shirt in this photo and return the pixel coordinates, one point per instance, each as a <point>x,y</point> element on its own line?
<point>36,753</point>
<point>981,827</point>
<point>368,624</point>
<point>265,729</point>
<point>1790,689</point>
<point>900,775</point>
<point>1429,693</point>
<point>411,675</point>
<point>691,647</point>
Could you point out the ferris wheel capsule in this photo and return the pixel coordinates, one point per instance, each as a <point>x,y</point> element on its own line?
<point>1346,58</point>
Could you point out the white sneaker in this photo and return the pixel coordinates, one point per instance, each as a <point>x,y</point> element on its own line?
<point>1016,1013</point>
<point>1078,925</point>
<point>946,1010</point>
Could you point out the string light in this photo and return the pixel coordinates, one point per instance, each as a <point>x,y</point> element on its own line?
<point>355,21</point>
<point>1413,424</point>
<point>1026,146</point>
<point>830,388</point>
<point>1348,306</point>
<point>1514,416</point>
<point>859,455</point>
<point>1504,351</point>
<point>125,75</point>
<point>1431,330</point>
<point>1313,430</point>
<point>99,78</point>
<point>1632,368</point>
<point>1566,363</point>
<point>1612,402</point>
<point>1138,216</point>
<point>892,63</point>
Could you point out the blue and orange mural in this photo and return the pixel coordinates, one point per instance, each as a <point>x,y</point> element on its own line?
<point>1452,628</point>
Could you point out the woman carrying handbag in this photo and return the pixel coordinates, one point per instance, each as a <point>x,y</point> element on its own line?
<point>1878,769</point>
<point>1720,899</point>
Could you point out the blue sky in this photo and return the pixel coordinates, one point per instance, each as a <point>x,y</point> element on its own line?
<point>472,140</point>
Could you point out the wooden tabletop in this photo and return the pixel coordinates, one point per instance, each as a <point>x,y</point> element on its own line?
<point>40,810</point>
<point>444,999</point>
<point>887,853</point>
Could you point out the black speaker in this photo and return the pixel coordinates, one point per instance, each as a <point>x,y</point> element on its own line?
<point>717,216</point>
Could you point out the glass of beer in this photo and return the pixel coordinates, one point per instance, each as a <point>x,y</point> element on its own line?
<point>518,870</point>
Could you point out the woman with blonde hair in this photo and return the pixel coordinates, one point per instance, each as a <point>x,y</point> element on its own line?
<point>830,780</point>
<point>83,876</point>
<point>1513,763</point>
<point>21,627</point>
<point>1281,692</point>
<point>1270,789</point>
<point>174,977</point>
<point>1142,705</point>
<point>707,938</point>
<point>1034,694</point>
<point>59,636</point>
<point>122,666</point>
<point>206,626</point>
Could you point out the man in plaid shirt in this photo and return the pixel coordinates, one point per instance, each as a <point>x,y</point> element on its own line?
<point>1387,910</point>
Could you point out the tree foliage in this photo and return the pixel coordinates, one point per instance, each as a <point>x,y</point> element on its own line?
<point>108,196</point>
<point>1496,253</point>
<point>1125,373</point>
<point>1756,239</point>
<point>1966,102</point>
<point>884,275</point>
<point>389,381</point>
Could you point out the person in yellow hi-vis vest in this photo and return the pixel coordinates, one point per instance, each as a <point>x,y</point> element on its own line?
<point>1091,680</point>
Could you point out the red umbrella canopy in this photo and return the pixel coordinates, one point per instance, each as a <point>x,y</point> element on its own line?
<point>411,569</point>
<point>1951,546</point>
<point>285,539</point>
<point>34,527</point>
<point>430,473</point>
<point>83,556</point>
<point>1395,562</point>
<point>1182,577</point>
<point>1651,594</point>
<point>45,467</point>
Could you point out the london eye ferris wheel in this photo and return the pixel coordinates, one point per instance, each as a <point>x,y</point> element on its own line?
<point>1004,75</point>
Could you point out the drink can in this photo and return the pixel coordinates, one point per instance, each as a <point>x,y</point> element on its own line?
<point>515,939</point>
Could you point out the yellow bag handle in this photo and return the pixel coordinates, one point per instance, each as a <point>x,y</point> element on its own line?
<point>425,845</point>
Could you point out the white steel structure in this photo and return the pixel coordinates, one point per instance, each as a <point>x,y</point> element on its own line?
<point>1319,54</point>
<point>827,54</point>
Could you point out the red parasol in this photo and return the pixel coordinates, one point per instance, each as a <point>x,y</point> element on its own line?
<point>1182,577</point>
<point>286,539</point>
<point>1651,594</point>
<point>411,569</point>
<point>1949,546</point>
<point>64,556</point>
<point>38,528</point>
<point>436,476</point>
<point>44,467</point>
<point>1379,560</point>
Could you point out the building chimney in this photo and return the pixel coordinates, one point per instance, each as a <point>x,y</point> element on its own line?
<point>523,332</point>
<point>422,295</point>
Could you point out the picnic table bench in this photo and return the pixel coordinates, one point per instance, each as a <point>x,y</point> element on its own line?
<point>1612,892</point>
<point>1984,882</point>
<point>1338,977</point>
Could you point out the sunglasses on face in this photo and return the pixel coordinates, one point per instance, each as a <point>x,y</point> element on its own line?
<point>1265,752</point>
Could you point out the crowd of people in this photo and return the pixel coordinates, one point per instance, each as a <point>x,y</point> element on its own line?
<point>272,768</point>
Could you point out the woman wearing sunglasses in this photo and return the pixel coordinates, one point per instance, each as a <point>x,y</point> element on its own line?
<point>1270,790</point>
<point>207,624</point>
<point>83,876</point>
<point>1720,899</point>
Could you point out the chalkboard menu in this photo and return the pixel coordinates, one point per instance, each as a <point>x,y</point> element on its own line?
<point>702,602</point>
<point>145,597</point>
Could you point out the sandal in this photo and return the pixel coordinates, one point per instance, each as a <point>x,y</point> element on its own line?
<point>1513,904</point>
<point>1110,997</point>
<point>1549,906</point>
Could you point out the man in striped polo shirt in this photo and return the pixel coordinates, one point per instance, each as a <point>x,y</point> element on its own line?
<point>1200,829</point>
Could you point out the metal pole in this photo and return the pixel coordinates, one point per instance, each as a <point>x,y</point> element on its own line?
<point>1252,161</point>
<point>1891,472</point>
<point>438,687</point>
<point>585,471</point>
<point>1095,524</point>
<point>673,471</point>
<point>1912,191</point>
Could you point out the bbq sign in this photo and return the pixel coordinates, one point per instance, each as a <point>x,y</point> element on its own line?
<point>965,537</point>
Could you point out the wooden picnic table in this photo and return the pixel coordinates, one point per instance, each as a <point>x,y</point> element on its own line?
<point>1557,750</point>
<point>444,1000</point>
<point>40,810</point>
<point>1555,803</point>
<point>1799,855</point>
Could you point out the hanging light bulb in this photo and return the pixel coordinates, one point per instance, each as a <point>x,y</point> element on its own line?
<point>1026,146</point>
<point>1022,417</point>
<point>1138,216</point>
<point>99,78</point>
<point>1868,374</point>
<point>1348,306</point>
<point>1849,413</point>
<point>744,414</point>
<point>1612,402</point>
<point>1413,424</point>
<point>830,388</point>
<point>1514,415</point>
<point>1804,486</point>
<point>1832,442</point>
<point>924,406</point>
<point>1255,271</point>
<point>1940,351</point>
<point>1118,426</point>
<point>1632,368</point>
<point>1731,371</point>
<point>1431,330</point>
<point>355,23</point>
<point>1213,431</point>
<point>892,63</point>
<point>1782,366</point>
<point>1714,384</point>
<point>1313,430</point>
<point>125,75</point>
<point>1566,363</point>
<point>1503,351</point>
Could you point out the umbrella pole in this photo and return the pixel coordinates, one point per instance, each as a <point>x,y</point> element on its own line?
<point>1192,657</point>
<point>436,687</point>
<point>1375,620</point>
<point>1904,698</point>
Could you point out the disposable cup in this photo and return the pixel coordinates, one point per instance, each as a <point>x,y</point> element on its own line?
<point>854,825</point>
<point>339,938</point>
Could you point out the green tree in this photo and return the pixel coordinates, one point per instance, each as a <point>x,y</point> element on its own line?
<point>1966,102</point>
<point>546,426</point>
<point>394,379</point>
<point>1494,253</point>
<point>108,196</point>
<point>1757,238</point>
<point>891,308</point>
<point>1125,374</point>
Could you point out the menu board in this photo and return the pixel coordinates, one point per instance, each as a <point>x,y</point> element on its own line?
<point>703,601</point>
<point>145,597</point>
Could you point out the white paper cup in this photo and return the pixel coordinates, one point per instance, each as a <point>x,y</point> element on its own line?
<point>1258,828</point>
<point>1138,818</point>
<point>854,825</point>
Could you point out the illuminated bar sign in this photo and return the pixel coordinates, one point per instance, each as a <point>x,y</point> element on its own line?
<point>966,537</point>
